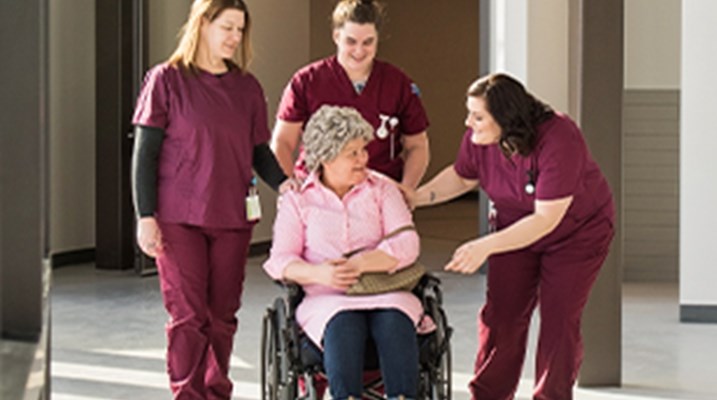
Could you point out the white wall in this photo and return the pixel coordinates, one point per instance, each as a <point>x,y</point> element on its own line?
<point>72,125</point>
<point>698,191</point>
<point>529,40</point>
<point>548,52</point>
<point>652,44</point>
<point>509,42</point>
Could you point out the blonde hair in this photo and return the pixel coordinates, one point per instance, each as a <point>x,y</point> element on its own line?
<point>185,55</point>
<point>358,11</point>
<point>328,131</point>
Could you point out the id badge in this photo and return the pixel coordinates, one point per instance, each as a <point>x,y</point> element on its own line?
<point>253,207</point>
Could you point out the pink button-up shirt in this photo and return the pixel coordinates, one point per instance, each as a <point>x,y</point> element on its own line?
<point>315,225</point>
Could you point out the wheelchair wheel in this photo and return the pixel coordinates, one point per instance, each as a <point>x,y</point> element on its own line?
<point>440,382</point>
<point>278,380</point>
<point>269,357</point>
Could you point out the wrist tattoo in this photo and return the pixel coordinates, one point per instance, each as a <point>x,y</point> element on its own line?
<point>432,197</point>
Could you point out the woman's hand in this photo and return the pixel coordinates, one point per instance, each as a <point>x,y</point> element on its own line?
<point>372,261</point>
<point>338,274</point>
<point>290,184</point>
<point>149,237</point>
<point>468,258</point>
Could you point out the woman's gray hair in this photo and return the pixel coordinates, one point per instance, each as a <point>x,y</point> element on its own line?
<point>329,129</point>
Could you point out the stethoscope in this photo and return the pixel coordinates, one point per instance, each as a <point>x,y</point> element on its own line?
<point>385,128</point>
<point>532,177</point>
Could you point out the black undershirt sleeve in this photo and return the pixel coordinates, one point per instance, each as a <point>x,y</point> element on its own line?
<point>267,167</point>
<point>145,158</point>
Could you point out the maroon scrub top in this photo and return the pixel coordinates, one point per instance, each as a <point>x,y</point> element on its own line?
<point>561,165</point>
<point>212,123</point>
<point>388,92</point>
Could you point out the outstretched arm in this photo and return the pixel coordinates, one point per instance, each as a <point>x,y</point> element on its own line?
<point>524,232</point>
<point>445,186</point>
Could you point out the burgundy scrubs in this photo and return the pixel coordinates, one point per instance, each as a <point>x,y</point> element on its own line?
<point>389,99</point>
<point>211,124</point>
<point>556,273</point>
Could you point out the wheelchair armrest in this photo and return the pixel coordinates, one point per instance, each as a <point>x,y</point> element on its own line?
<point>294,294</point>
<point>428,282</point>
<point>429,286</point>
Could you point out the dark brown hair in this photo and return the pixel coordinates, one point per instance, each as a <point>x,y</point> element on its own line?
<point>516,111</point>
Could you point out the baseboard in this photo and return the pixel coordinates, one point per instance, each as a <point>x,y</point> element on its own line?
<point>73,257</point>
<point>703,314</point>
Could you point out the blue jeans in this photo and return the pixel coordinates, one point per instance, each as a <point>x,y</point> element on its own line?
<point>345,339</point>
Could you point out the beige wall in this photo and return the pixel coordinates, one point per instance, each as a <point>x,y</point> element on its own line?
<point>165,20</point>
<point>280,37</point>
<point>72,125</point>
<point>652,44</point>
<point>437,45</point>
<point>547,51</point>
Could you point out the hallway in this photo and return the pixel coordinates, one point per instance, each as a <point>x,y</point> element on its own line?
<point>108,331</point>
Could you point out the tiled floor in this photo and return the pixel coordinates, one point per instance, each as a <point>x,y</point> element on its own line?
<point>108,331</point>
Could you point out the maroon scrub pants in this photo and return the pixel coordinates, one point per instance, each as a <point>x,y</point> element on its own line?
<point>201,275</point>
<point>558,280</point>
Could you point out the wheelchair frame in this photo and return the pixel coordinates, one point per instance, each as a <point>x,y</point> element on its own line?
<point>282,365</point>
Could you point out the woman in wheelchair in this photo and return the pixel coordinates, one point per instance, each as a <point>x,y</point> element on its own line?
<point>340,207</point>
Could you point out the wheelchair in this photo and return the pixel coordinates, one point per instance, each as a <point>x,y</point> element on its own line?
<point>287,355</point>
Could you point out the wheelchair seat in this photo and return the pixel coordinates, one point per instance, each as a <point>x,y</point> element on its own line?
<point>287,353</point>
